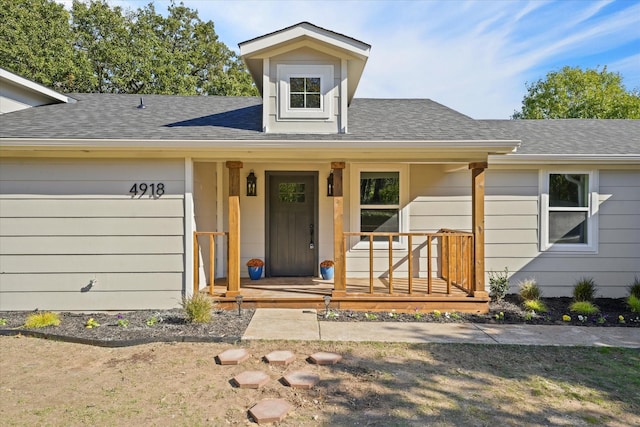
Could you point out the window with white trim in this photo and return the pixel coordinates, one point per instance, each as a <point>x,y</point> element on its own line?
<point>304,91</point>
<point>379,202</point>
<point>568,221</point>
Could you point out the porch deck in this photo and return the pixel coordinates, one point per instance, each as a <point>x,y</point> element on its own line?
<point>308,292</point>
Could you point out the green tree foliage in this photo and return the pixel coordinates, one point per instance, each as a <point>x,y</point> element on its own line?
<point>99,48</point>
<point>576,93</point>
<point>36,42</point>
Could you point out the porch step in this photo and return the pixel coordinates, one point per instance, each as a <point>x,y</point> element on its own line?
<point>365,303</point>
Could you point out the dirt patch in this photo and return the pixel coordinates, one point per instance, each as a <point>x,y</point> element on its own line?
<point>44,382</point>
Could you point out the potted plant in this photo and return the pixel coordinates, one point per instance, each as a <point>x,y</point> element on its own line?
<point>255,266</point>
<point>326,269</point>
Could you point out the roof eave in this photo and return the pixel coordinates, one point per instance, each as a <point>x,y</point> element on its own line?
<point>521,159</point>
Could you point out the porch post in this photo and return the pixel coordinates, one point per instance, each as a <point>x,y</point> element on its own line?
<point>340,276</point>
<point>477,223</point>
<point>233,278</point>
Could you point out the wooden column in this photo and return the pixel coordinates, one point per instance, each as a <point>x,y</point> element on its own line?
<point>233,278</point>
<point>477,223</point>
<point>339,256</point>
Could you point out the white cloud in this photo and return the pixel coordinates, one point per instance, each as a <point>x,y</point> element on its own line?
<point>474,56</point>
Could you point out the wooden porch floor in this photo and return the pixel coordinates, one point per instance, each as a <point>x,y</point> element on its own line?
<point>308,292</point>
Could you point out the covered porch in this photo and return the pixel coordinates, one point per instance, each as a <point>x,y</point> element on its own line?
<point>430,271</point>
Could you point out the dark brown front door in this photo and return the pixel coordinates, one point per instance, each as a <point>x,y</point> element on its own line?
<point>291,223</point>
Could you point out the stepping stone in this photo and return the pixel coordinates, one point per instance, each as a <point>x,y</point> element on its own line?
<point>270,411</point>
<point>301,379</point>
<point>280,357</point>
<point>251,379</point>
<point>325,358</point>
<point>233,356</point>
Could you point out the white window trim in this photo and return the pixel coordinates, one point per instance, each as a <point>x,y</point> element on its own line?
<point>592,213</point>
<point>324,72</point>
<point>354,192</point>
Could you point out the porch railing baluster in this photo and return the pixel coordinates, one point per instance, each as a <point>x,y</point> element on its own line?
<point>371,263</point>
<point>410,264</point>
<point>390,264</point>
<point>212,257</point>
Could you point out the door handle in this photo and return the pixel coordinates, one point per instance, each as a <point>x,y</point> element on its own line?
<point>311,245</point>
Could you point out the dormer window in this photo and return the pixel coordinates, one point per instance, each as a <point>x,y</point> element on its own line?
<point>305,92</point>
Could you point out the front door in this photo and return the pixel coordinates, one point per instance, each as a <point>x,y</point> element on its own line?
<point>291,223</point>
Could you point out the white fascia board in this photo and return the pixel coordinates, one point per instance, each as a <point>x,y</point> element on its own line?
<point>356,48</point>
<point>33,86</point>
<point>497,146</point>
<point>265,150</point>
<point>582,159</point>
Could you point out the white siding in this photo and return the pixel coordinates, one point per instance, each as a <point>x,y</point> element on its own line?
<point>441,198</point>
<point>512,235</point>
<point>66,222</point>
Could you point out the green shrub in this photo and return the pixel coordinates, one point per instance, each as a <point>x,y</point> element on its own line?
<point>584,307</point>
<point>634,289</point>
<point>198,308</point>
<point>498,284</point>
<point>634,303</point>
<point>585,289</point>
<point>40,320</point>
<point>535,305</point>
<point>529,290</point>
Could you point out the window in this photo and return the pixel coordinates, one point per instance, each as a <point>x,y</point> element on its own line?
<point>379,203</point>
<point>305,91</point>
<point>291,193</point>
<point>568,221</point>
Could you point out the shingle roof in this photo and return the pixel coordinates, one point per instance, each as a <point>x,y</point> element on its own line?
<point>572,136</point>
<point>167,117</point>
<point>111,116</point>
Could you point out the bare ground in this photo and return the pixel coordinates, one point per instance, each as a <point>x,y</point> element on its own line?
<point>44,382</point>
<point>176,382</point>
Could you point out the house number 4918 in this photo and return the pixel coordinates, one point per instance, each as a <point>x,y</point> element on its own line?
<point>140,189</point>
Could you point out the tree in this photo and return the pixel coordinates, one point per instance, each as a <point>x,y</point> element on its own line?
<point>576,93</point>
<point>36,42</point>
<point>99,48</point>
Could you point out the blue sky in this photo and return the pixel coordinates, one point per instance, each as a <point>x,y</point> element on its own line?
<point>473,56</point>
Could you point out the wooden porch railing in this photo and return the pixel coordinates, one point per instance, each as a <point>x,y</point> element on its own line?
<point>197,244</point>
<point>455,256</point>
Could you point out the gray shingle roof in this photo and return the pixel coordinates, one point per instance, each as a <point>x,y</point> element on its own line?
<point>167,117</point>
<point>572,136</point>
<point>111,116</point>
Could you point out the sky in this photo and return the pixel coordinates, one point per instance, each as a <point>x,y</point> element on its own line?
<point>473,56</point>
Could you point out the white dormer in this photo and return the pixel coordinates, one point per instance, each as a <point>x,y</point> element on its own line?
<point>307,77</point>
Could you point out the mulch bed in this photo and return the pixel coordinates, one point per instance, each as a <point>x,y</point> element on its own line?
<point>134,327</point>
<point>507,311</point>
<point>139,327</point>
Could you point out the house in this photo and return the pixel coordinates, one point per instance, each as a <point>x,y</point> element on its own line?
<point>116,202</point>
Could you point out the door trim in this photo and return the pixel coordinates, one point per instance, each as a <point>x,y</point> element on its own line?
<point>268,175</point>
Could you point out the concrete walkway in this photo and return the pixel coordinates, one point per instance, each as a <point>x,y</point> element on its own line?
<point>299,324</point>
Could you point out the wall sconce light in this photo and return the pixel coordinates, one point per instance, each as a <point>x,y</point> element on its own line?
<point>252,182</point>
<point>330,184</point>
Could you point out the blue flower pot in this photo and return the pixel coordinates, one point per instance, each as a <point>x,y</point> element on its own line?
<point>326,272</point>
<point>255,273</point>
